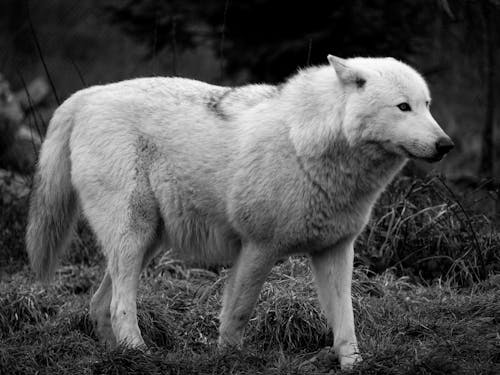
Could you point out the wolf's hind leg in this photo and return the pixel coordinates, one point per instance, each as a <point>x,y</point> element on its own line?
<point>100,314</point>
<point>228,292</point>
<point>100,304</point>
<point>142,240</point>
<point>127,228</point>
<point>333,274</point>
<point>159,244</point>
<point>241,292</point>
<point>124,266</point>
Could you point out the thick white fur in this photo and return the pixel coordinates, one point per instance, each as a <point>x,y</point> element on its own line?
<point>242,176</point>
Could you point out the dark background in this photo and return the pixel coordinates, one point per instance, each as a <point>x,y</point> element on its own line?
<point>454,44</point>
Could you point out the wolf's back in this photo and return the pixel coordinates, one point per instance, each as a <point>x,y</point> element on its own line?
<point>53,203</point>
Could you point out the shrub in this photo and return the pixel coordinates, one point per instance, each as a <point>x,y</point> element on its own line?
<point>420,228</point>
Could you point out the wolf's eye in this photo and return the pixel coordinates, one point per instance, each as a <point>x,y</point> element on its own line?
<point>428,104</point>
<point>405,107</point>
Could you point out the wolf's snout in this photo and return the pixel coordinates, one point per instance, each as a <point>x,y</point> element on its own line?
<point>444,145</point>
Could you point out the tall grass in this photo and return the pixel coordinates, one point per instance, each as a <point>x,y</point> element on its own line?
<point>420,228</point>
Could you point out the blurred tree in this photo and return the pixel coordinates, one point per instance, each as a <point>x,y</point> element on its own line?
<point>490,14</point>
<point>481,29</point>
<point>160,24</point>
<point>270,39</point>
<point>487,19</point>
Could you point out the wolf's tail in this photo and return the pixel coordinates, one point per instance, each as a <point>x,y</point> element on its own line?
<point>53,205</point>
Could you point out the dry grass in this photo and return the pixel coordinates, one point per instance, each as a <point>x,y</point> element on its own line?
<point>403,328</point>
<point>422,229</point>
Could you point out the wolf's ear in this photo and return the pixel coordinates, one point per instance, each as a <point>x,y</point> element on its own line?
<point>347,74</point>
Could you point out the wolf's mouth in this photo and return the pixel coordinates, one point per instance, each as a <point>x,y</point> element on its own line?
<point>431,159</point>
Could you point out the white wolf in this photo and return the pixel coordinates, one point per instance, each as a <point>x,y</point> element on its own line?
<point>243,176</point>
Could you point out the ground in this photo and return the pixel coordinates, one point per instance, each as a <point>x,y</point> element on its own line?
<point>403,328</point>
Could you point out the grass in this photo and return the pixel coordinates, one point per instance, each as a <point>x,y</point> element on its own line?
<point>403,328</point>
<point>423,229</point>
<point>426,295</point>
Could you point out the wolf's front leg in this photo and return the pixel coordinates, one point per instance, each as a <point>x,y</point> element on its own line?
<point>241,292</point>
<point>333,274</point>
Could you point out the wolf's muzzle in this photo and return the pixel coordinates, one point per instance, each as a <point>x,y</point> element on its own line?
<point>444,145</point>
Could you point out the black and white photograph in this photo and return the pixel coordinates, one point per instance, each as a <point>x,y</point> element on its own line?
<point>249,187</point>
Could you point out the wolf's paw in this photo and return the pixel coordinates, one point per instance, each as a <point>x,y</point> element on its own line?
<point>323,359</point>
<point>105,335</point>
<point>348,355</point>
<point>230,341</point>
<point>136,343</point>
<point>225,345</point>
<point>347,362</point>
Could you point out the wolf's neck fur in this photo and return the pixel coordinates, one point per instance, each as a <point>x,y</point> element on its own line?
<point>347,175</point>
<point>343,170</point>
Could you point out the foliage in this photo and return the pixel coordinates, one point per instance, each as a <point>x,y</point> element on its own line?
<point>165,23</point>
<point>422,229</point>
<point>14,210</point>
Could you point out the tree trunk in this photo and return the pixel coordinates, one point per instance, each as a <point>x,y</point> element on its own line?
<point>487,167</point>
<point>487,158</point>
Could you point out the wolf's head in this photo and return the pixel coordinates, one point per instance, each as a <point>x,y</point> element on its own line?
<point>387,102</point>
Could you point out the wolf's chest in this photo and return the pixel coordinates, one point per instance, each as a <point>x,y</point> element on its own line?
<point>307,226</point>
<point>319,230</point>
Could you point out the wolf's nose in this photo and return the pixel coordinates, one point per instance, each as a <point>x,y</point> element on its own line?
<point>444,145</point>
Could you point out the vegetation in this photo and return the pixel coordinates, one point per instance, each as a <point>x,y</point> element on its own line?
<point>425,230</point>
<point>442,319</point>
<point>403,328</point>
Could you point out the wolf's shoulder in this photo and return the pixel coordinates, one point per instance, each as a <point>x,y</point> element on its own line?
<point>232,101</point>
